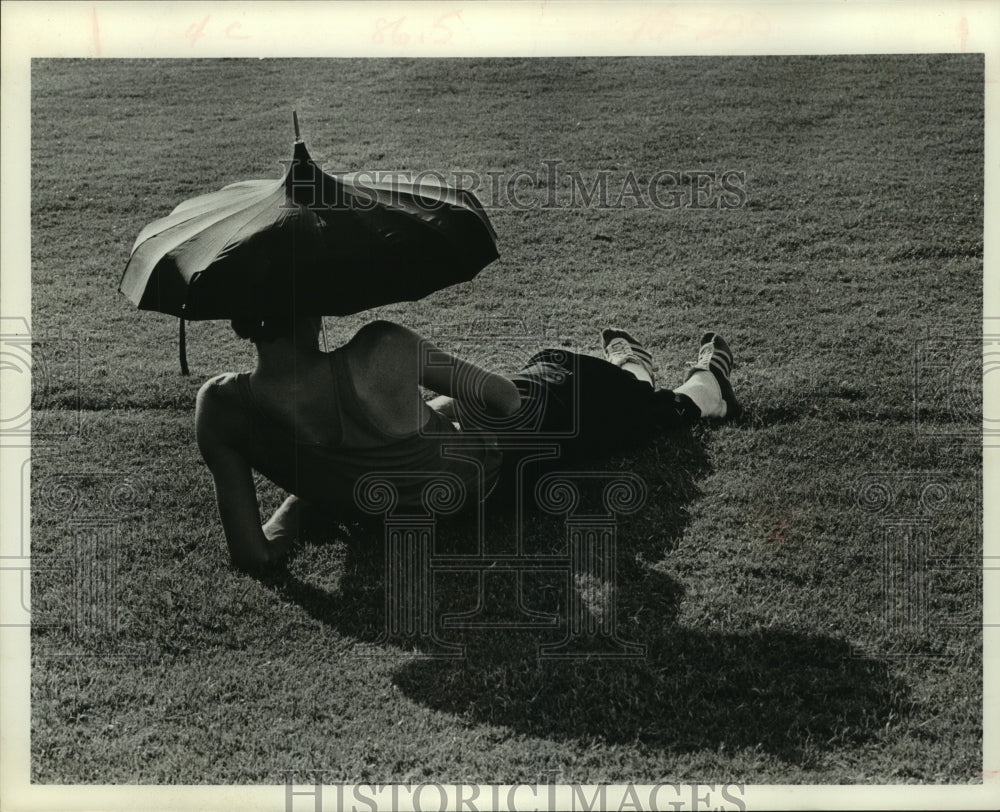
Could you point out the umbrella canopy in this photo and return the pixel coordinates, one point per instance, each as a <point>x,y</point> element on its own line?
<point>311,243</point>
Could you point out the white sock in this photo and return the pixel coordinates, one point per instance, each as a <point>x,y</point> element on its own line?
<point>706,393</point>
<point>638,370</point>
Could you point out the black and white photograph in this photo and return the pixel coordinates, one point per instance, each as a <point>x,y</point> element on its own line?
<point>498,406</point>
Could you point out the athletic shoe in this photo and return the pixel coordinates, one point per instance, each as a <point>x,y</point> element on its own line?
<point>716,357</point>
<point>620,349</point>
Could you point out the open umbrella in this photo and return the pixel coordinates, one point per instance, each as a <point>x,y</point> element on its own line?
<point>311,243</point>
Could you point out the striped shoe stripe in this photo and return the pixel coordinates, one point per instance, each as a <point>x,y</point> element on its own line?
<point>718,365</point>
<point>625,348</point>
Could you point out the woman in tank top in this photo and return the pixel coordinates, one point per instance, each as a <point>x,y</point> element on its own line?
<point>315,422</point>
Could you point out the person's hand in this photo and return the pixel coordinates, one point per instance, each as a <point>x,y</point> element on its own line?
<point>445,405</point>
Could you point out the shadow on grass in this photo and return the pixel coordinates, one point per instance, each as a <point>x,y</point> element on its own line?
<point>781,691</point>
<point>786,692</point>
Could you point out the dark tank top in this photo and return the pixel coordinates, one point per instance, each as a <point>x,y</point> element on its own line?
<point>327,475</point>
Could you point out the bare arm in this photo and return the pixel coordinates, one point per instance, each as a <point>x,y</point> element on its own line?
<point>234,488</point>
<point>403,355</point>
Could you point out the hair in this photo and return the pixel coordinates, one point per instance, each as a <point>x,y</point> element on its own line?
<point>259,330</point>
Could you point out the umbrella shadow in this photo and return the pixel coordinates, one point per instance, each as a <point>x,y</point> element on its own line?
<point>785,692</point>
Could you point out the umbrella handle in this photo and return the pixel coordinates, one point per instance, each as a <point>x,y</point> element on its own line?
<point>182,341</point>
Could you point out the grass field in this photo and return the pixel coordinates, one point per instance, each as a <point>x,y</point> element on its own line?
<point>849,285</point>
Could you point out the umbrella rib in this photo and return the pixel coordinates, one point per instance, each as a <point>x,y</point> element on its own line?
<point>206,204</point>
<point>239,191</point>
<point>230,227</point>
<point>185,234</point>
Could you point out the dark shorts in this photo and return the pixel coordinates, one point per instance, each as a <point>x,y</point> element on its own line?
<point>596,407</point>
<point>586,407</point>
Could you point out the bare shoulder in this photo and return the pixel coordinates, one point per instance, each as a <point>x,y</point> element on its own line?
<point>385,350</point>
<point>217,413</point>
<point>380,335</point>
<point>216,391</point>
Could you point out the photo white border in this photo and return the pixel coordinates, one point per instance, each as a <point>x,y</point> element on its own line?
<point>319,29</point>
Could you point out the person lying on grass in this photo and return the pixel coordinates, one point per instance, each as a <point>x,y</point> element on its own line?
<point>315,422</point>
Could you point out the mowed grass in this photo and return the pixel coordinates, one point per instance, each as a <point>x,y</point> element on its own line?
<point>754,573</point>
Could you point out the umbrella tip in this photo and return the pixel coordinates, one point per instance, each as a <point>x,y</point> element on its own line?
<point>295,121</point>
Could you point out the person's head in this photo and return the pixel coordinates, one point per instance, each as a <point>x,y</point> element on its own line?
<point>299,330</point>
